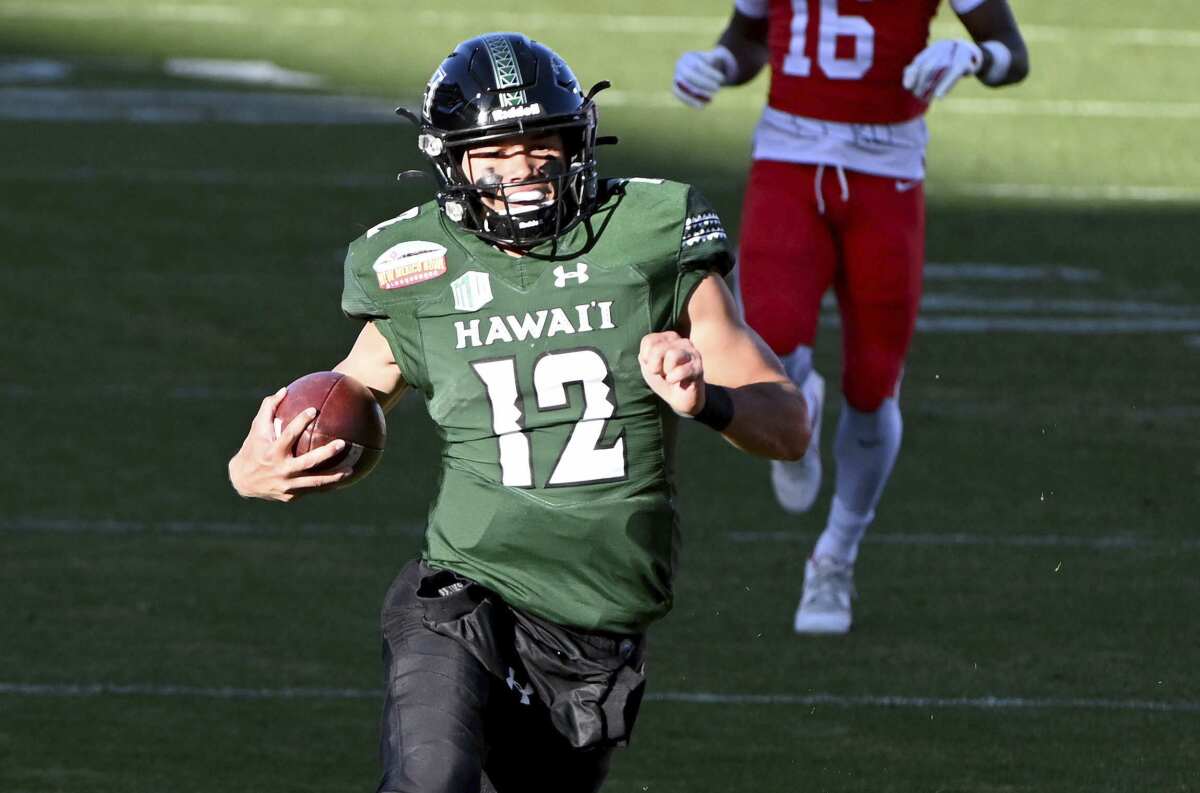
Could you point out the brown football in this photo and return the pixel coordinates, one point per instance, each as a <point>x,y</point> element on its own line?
<point>346,409</point>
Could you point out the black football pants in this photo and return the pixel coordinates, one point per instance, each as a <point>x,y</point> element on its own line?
<point>447,721</point>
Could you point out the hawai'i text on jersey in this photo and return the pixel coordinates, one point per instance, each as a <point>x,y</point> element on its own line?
<point>556,462</point>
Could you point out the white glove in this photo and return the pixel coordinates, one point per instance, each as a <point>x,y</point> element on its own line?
<point>939,66</point>
<point>699,75</point>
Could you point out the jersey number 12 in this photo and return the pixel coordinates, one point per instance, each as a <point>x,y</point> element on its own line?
<point>583,460</point>
<point>830,26</point>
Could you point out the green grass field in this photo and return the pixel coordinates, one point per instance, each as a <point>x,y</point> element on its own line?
<point>1028,594</point>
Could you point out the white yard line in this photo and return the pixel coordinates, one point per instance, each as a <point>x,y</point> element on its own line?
<point>635,24</point>
<point>1075,108</point>
<point>1103,543</point>
<point>127,390</point>
<point>229,528</point>
<point>194,106</point>
<point>236,177</point>
<point>1106,311</point>
<point>1120,37</point>
<point>990,271</point>
<point>199,176</point>
<point>262,73</point>
<point>1054,326</point>
<point>972,409</point>
<point>1049,325</point>
<point>1057,192</point>
<point>933,301</point>
<point>249,396</point>
<point>34,70</point>
<point>96,11</point>
<point>1057,108</point>
<point>234,528</point>
<point>167,106</point>
<point>202,692</point>
<point>979,703</point>
<point>681,697</point>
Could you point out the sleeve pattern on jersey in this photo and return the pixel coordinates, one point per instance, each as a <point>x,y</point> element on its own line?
<point>703,250</point>
<point>356,302</point>
<point>705,227</point>
<point>703,243</point>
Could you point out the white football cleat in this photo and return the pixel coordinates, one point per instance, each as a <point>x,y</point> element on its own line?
<point>797,484</point>
<point>828,590</point>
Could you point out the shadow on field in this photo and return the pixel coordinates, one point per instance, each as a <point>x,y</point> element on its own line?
<point>161,278</point>
<point>201,268</point>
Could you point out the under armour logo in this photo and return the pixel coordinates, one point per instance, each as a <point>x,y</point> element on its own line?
<point>525,691</point>
<point>561,275</point>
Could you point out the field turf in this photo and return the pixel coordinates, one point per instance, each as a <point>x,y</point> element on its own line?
<point>1028,594</point>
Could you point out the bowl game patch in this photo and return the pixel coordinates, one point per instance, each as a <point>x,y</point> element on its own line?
<point>410,263</point>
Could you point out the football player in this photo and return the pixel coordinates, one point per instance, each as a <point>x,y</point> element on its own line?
<point>558,325</point>
<point>835,199</point>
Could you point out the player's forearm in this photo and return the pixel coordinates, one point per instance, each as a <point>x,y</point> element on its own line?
<point>747,43</point>
<point>993,27</point>
<point>769,420</point>
<point>371,363</point>
<point>1004,66</point>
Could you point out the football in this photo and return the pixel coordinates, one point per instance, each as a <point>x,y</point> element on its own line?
<point>346,409</point>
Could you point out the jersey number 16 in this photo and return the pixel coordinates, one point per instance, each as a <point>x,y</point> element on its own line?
<point>830,26</point>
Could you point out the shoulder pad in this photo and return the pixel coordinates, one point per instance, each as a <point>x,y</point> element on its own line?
<point>622,182</point>
<point>409,215</point>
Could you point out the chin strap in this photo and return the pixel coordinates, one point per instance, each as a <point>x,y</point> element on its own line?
<point>400,177</point>
<point>597,88</point>
<point>408,115</point>
<point>412,117</point>
<point>603,140</point>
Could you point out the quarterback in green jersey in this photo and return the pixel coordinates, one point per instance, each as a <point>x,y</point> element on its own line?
<point>558,326</point>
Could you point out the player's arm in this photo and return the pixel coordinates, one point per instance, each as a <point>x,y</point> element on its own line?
<point>994,28</point>
<point>746,39</point>
<point>739,56</point>
<point>264,466</point>
<point>372,363</point>
<point>717,370</point>
<point>997,54</point>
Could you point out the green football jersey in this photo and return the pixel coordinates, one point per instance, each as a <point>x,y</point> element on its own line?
<point>556,465</point>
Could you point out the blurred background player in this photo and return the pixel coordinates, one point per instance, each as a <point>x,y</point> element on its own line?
<point>835,198</point>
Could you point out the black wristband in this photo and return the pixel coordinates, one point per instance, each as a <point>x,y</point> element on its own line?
<point>718,407</point>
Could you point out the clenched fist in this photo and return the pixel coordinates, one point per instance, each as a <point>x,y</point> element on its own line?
<point>939,66</point>
<point>699,75</point>
<point>672,367</point>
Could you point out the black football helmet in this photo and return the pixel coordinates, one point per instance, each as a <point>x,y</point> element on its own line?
<point>493,87</point>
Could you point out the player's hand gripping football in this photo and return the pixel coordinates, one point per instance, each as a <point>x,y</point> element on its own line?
<point>699,75</point>
<point>672,367</point>
<point>266,468</point>
<point>939,66</point>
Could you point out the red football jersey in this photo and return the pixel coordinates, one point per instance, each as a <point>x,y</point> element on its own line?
<point>842,60</point>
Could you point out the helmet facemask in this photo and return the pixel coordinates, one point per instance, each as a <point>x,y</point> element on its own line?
<point>511,213</point>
